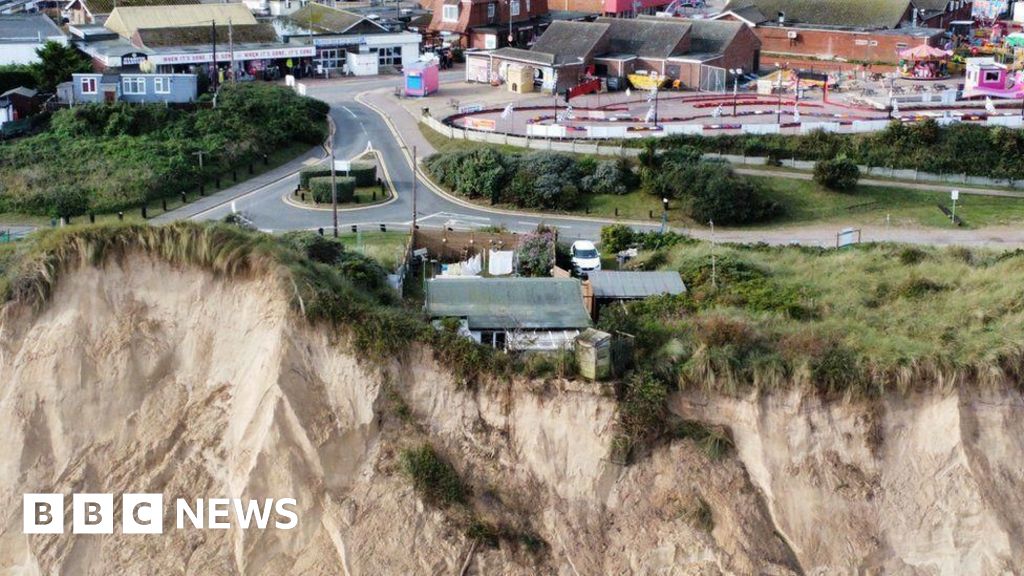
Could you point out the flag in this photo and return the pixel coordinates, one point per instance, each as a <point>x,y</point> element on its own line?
<point>650,115</point>
<point>717,112</point>
<point>569,113</point>
<point>989,106</point>
<point>507,111</point>
<point>628,93</point>
<point>895,106</point>
<point>652,94</point>
<point>796,113</point>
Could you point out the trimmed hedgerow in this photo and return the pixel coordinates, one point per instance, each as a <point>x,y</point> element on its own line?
<point>320,188</point>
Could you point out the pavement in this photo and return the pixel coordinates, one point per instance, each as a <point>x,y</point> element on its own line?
<point>367,114</point>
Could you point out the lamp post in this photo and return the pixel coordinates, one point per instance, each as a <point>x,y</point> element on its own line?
<point>735,88</point>
<point>778,113</point>
<point>664,215</point>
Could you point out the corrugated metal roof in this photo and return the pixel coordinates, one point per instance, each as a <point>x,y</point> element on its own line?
<point>616,284</point>
<point>126,20</point>
<point>508,303</point>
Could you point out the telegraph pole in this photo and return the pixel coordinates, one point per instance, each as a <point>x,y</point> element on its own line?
<point>213,69</point>
<point>334,183</point>
<point>231,50</point>
<point>414,190</point>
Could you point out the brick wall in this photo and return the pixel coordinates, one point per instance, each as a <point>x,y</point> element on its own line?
<point>830,44</point>
<point>743,52</point>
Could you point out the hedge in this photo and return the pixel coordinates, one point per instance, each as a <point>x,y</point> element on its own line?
<point>321,189</point>
<point>365,174</point>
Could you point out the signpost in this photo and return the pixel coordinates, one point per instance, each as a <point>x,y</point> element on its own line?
<point>955,195</point>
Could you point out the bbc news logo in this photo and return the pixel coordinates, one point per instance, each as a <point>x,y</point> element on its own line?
<point>144,513</point>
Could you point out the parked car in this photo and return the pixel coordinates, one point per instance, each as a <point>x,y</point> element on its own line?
<point>585,257</point>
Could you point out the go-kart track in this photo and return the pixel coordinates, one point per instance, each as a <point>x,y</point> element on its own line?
<point>638,114</point>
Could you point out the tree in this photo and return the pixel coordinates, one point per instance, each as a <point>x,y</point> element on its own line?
<point>839,174</point>
<point>57,63</point>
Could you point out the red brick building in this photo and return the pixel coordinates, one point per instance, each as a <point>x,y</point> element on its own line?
<point>488,24</point>
<point>857,31</point>
<point>617,47</point>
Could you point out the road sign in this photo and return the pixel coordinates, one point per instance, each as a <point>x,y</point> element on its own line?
<point>955,194</point>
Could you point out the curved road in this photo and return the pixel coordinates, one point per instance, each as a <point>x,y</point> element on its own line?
<point>357,127</point>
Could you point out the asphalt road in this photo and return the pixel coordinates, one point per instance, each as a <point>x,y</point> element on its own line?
<point>358,127</point>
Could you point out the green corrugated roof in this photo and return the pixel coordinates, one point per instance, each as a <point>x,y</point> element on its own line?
<point>509,303</point>
<point>840,13</point>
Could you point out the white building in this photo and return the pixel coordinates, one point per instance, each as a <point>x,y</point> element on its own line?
<point>22,34</point>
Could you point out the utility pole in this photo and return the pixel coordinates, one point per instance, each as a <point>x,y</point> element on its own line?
<point>231,50</point>
<point>714,272</point>
<point>213,69</point>
<point>414,190</point>
<point>334,183</point>
<point>200,154</point>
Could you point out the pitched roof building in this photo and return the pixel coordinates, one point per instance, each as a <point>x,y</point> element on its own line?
<point>671,47</point>
<point>860,31</point>
<point>487,24</point>
<point>22,34</point>
<point>96,11</point>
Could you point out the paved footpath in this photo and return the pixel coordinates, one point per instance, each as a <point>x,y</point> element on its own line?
<point>243,188</point>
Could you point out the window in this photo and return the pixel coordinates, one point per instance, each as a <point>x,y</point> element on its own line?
<point>332,58</point>
<point>490,11</point>
<point>389,56</point>
<point>88,85</point>
<point>527,6</point>
<point>133,85</point>
<point>991,76</point>
<point>162,85</point>
<point>514,7</point>
<point>451,13</point>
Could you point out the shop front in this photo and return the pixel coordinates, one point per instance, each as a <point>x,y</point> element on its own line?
<point>268,63</point>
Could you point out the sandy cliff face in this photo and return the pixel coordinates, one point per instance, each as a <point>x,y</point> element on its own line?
<point>144,378</point>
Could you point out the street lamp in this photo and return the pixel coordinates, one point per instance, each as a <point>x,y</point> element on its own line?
<point>735,87</point>
<point>664,215</point>
<point>778,113</point>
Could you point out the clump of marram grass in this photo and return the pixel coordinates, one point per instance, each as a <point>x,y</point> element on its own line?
<point>856,322</point>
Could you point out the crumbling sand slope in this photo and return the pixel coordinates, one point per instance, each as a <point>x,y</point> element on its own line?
<point>140,377</point>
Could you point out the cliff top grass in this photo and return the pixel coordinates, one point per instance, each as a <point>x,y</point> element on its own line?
<point>868,319</point>
<point>325,283</point>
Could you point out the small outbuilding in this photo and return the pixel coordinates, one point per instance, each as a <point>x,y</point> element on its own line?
<point>594,354</point>
<point>608,286</point>
<point>421,79</point>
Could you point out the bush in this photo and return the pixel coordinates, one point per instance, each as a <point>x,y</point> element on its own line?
<point>718,195</point>
<point>365,173</point>
<point>307,174</point>
<point>534,180</point>
<point>609,177</point>
<point>320,188</point>
<point>117,156</point>
<point>642,409</point>
<point>537,254</point>
<point>839,174</point>
<point>617,237</point>
<point>433,477</point>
